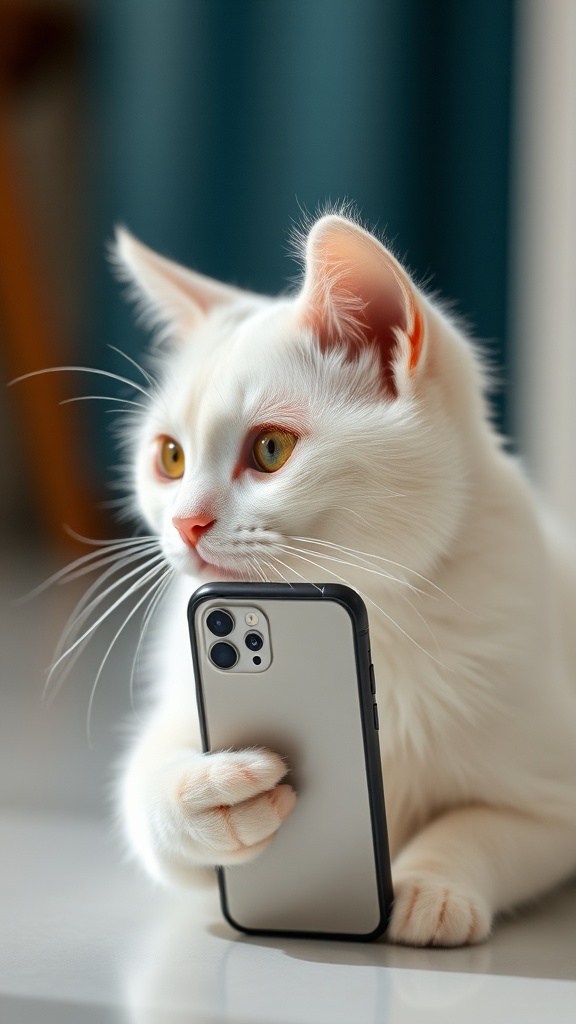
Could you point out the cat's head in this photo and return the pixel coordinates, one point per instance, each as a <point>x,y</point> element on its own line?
<point>287,434</point>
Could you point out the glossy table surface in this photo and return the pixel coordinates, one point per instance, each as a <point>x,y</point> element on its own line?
<point>84,937</point>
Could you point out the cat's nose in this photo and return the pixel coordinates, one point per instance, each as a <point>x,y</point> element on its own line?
<point>192,529</point>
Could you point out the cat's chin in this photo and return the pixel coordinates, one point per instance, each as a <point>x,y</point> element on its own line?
<point>215,573</point>
<point>208,572</point>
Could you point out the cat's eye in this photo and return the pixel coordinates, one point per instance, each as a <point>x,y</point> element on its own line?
<point>169,458</point>
<point>273,447</point>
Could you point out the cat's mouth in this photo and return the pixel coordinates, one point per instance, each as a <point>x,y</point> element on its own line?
<point>211,572</point>
<point>196,565</point>
<point>214,566</point>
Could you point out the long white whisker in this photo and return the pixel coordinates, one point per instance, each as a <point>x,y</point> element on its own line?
<point>363,568</point>
<point>64,574</point>
<point>102,398</point>
<point>72,658</point>
<point>140,369</point>
<point>320,554</point>
<point>130,615</point>
<point>354,513</point>
<point>381,558</point>
<point>254,563</point>
<point>162,584</point>
<point>64,672</point>
<point>117,556</point>
<point>85,606</point>
<point>273,569</point>
<point>131,590</point>
<point>106,543</point>
<point>81,613</point>
<point>247,567</point>
<point>281,574</point>
<point>124,412</point>
<point>381,610</point>
<point>295,571</point>
<point>80,369</point>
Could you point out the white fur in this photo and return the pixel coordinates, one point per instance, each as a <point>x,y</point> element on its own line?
<point>472,636</point>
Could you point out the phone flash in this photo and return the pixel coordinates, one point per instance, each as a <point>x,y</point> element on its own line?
<point>252,619</point>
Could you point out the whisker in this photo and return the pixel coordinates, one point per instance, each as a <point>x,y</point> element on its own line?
<point>273,569</point>
<point>364,568</point>
<point>248,567</point>
<point>354,513</point>
<point>86,606</point>
<point>105,559</point>
<point>80,369</point>
<point>64,574</point>
<point>48,697</point>
<point>126,412</point>
<point>381,610</point>
<point>106,543</point>
<point>163,584</point>
<point>295,571</point>
<point>426,625</point>
<point>83,641</point>
<point>102,398</point>
<point>130,615</point>
<point>141,369</point>
<point>131,590</point>
<point>281,574</point>
<point>82,612</point>
<point>381,558</point>
<point>254,563</point>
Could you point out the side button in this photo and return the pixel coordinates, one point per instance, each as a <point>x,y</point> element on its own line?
<point>375,713</point>
<point>372,680</point>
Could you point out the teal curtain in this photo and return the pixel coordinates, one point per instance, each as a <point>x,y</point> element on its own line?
<point>219,121</point>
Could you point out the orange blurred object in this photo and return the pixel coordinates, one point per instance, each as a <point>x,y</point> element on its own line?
<point>31,335</point>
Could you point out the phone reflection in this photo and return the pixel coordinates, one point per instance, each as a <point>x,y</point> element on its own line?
<point>187,969</point>
<point>192,966</point>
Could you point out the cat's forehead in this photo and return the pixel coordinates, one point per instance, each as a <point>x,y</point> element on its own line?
<point>233,367</point>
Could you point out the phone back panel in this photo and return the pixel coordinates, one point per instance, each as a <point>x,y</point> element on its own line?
<point>323,873</point>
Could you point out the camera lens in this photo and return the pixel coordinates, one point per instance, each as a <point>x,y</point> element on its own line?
<point>220,623</point>
<point>254,642</point>
<point>223,655</point>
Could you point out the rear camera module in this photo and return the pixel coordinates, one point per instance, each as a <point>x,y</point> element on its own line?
<point>254,642</point>
<point>220,623</point>
<point>223,655</point>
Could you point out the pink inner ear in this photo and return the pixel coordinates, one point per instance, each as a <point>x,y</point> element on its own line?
<point>356,294</point>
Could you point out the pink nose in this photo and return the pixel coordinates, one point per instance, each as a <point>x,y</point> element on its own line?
<point>192,529</point>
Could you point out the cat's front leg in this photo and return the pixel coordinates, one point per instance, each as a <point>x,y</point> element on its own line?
<point>184,809</point>
<point>471,863</point>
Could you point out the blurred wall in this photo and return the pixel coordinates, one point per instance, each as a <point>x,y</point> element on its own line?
<point>219,122</point>
<point>208,125</point>
<point>543,308</point>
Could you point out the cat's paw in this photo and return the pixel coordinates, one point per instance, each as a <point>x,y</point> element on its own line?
<point>206,809</point>
<point>232,803</point>
<point>431,912</point>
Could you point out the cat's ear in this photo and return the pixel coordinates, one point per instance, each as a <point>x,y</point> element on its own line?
<point>170,297</point>
<point>355,293</point>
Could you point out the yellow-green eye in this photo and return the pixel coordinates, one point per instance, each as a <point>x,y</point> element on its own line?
<point>273,447</point>
<point>169,458</point>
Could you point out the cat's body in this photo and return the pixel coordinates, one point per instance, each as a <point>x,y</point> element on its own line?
<point>397,484</point>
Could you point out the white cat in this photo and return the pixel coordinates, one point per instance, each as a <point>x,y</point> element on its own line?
<point>342,434</point>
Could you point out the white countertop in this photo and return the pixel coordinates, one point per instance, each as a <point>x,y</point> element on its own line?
<point>85,938</point>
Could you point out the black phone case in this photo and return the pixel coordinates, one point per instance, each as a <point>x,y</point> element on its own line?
<point>354,606</point>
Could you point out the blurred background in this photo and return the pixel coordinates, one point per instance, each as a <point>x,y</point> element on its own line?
<point>207,127</point>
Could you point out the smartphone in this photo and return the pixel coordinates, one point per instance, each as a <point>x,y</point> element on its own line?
<point>288,667</point>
